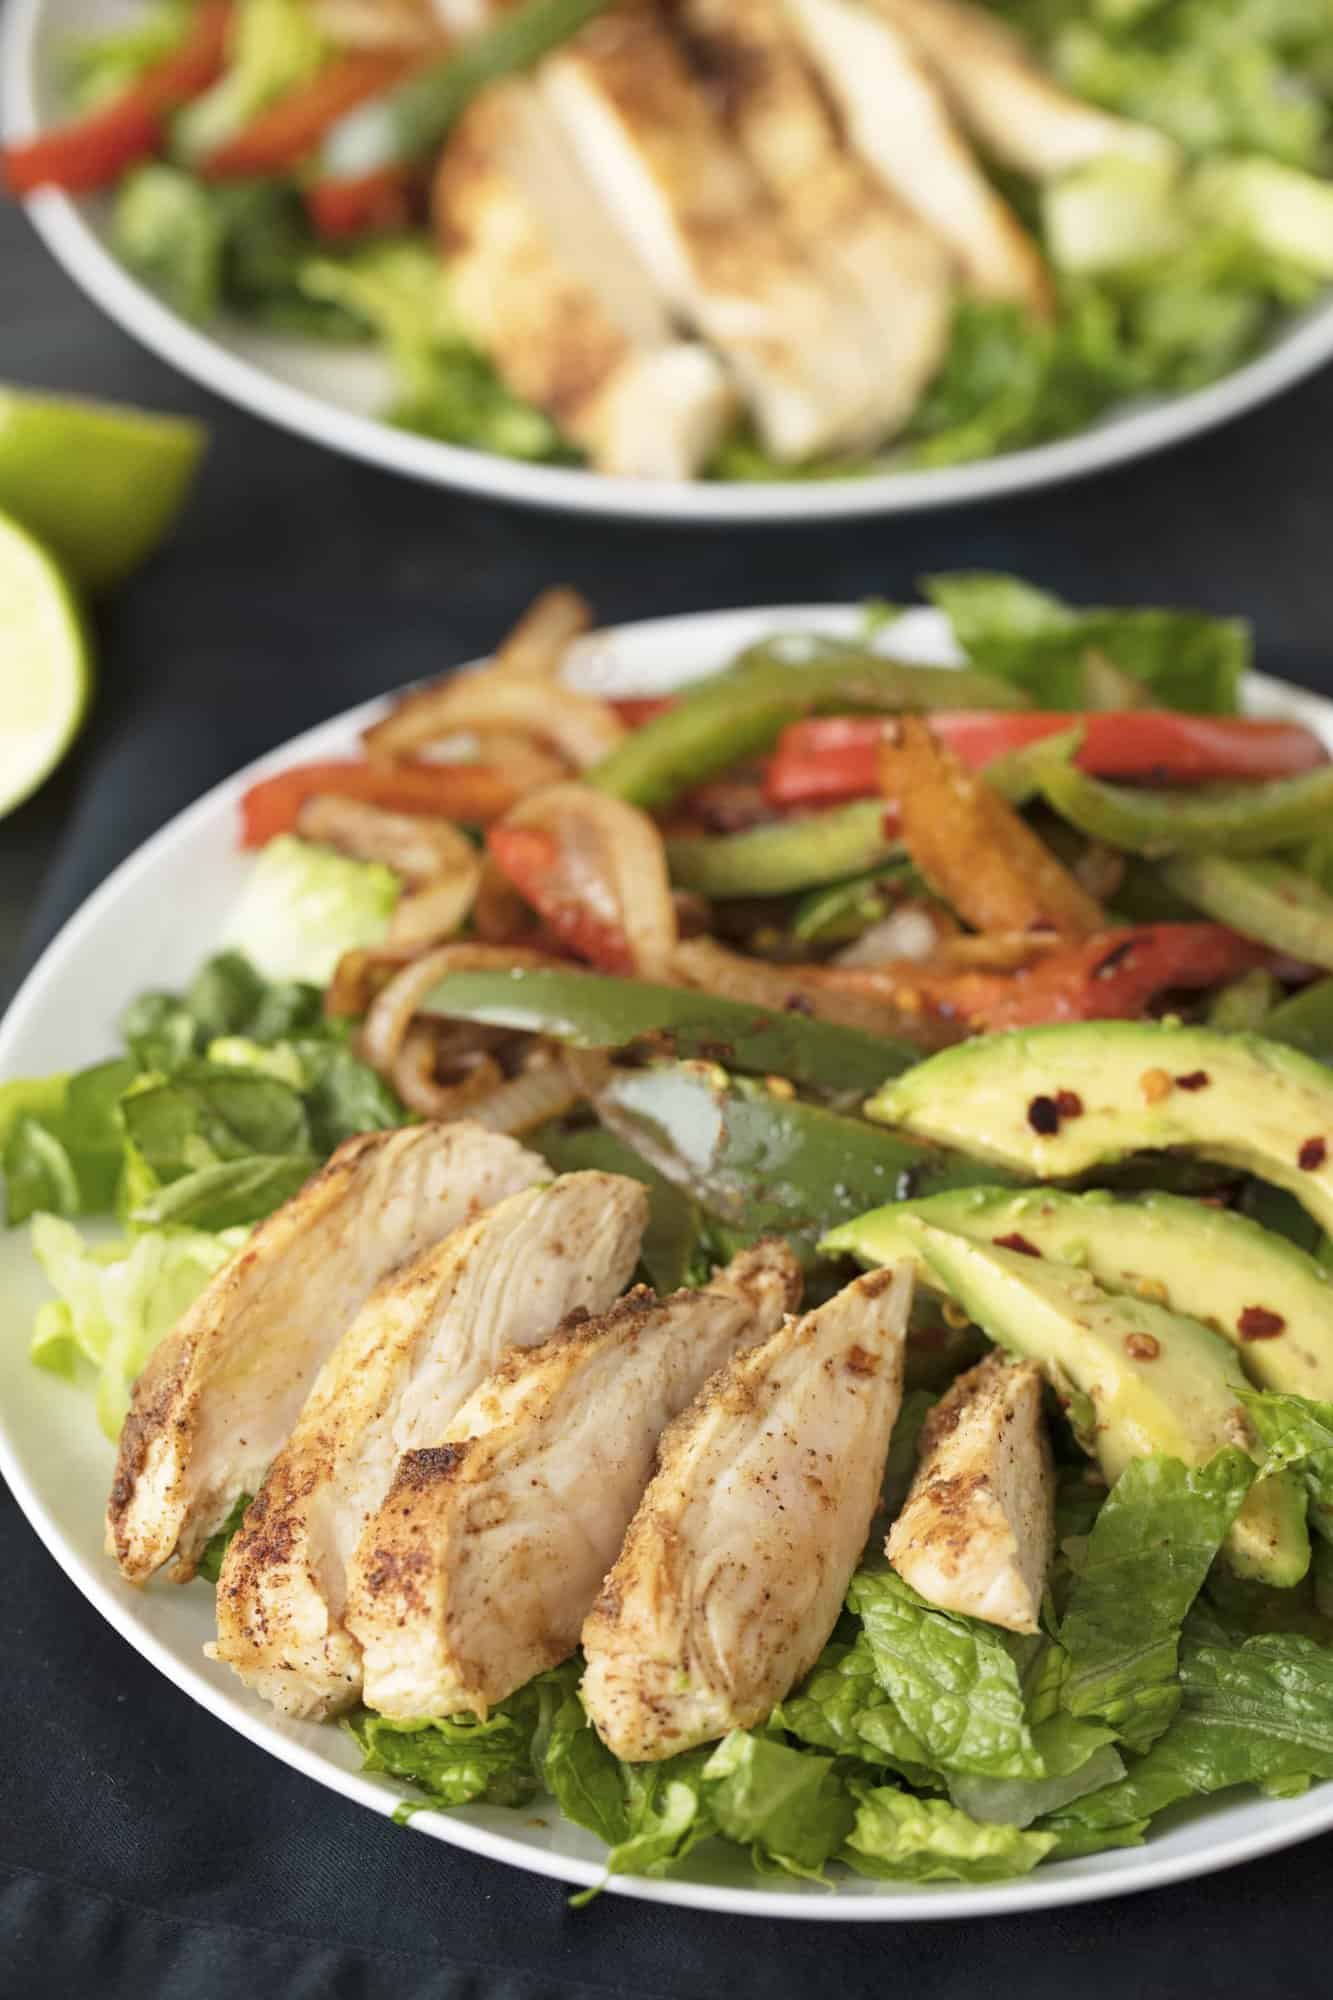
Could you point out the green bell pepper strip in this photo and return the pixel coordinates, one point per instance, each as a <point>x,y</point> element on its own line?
<point>671,1252</point>
<point>1206,819</point>
<point>1269,901</point>
<point>1305,1021</point>
<point>785,856</point>
<point>412,118</point>
<point>841,912</point>
<point>736,714</point>
<point>767,1164</point>
<point>592,1011</point>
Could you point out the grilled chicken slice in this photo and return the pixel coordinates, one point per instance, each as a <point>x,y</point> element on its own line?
<point>220,1394</point>
<point>1018,114</point>
<point>490,1549</point>
<point>548,289</point>
<point>415,1352</point>
<point>891,270</point>
<point>701,222</point>
<point>897,120</point>
<point>978,1527</point>
<point>735,1566</point>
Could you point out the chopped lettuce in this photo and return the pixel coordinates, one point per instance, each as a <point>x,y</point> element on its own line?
<point>1253,1710</point>
<point>446,388</point>
<point>790,1807</point>
<point>1298,1432</point>
<point>304,906</point>
<point>1142,1567</point>
<point>1188,660</point>
<point>906,1839</point>
<point>215,1548</point>
<point>273,45</point>
<point>63,1152</point>
<point>117,1300</point>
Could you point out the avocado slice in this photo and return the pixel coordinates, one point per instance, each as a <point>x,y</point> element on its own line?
<point>1269,1299</point>
<point>1056,1101</point>
<point>1157,1382</point>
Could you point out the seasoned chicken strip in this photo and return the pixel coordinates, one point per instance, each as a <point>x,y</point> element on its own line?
<point>547,288</point>
<point>490,1549</point>
<point>736,1564</point>
<point>1020,116</point>
<point>870,248</point>
<point>220,1394</point>
<point>898,122</point>
<point>703,225</point>
<point>977,1530</point>
<point>415,1352</point>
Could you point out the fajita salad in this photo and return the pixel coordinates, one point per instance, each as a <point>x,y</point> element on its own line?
<point>754,1263</point>
<point>724,239</point>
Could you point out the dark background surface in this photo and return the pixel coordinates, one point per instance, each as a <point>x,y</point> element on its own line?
<point>145,1850</point>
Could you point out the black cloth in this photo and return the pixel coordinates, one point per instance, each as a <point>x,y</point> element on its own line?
<point>146,1851</point>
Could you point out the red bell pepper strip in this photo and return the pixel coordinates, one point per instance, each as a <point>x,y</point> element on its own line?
<point>94,151</point>
<point>474,794</point>
<point>367,206</point>
<point>828,758</point>
<point>281,135</point>
<point>1109,977</point>
<point>530,857</point>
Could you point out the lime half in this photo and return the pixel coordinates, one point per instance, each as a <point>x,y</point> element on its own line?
<point>99,483</point>
<point>45,668</point>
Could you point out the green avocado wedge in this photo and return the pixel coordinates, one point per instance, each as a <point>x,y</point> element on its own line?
<point>1156,1381</point>
<point>1055,1102</point>
<point>1269,1299</point>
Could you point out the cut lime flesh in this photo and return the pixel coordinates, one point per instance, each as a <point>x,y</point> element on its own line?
<point>45,665</point>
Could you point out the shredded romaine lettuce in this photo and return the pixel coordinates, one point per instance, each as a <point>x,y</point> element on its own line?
<point>304,906</point>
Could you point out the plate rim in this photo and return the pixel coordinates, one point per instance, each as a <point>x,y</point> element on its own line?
<point>1052,1888</point>
<point>61,223</point>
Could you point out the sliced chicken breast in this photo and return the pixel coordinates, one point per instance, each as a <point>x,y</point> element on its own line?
<point>702,224</point>
<point>1018,114</point>
<point>737,1562</point>
<point>897,120</point>
<point>891,270</point>
<point>413,1355</point>
<point>489,1550</point>
<point>977,1530</point>
<point>220,1394</point>
<point>547,288</point>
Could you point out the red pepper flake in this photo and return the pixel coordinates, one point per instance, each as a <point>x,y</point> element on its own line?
<point>1013,1241</point>
<point>1258,1323</point>
<point>796,1003</point>
<point>1044,1116</point>
<point>1142,1346</point>
<point>1195,1079</point>
<point>1312,1154</point>
<point>1069,1104</point>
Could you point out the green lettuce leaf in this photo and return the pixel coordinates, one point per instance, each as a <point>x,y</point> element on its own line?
<point>840,1706</point>
<point>790,1807</point>
<point>215,1548</point>
<point>64,1154</point>
<point>120,1299</point>
<point>304,906</point>
<point>667,1815</point>
<point>1189,660</point>
<point>954,1682</point>
<point>1143,1565</point>
<point>227,1195</point>
<point>905,1839</point>
<point>446,388</point>
<point>169,230</point>
<point>1253,1710</point>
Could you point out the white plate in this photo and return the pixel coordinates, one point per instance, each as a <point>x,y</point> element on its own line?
<point>330,395</point>
<point>150,924</point>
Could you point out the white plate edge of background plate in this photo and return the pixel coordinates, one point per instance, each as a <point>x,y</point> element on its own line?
<point>1119,439</point>
<point>608,659</point>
